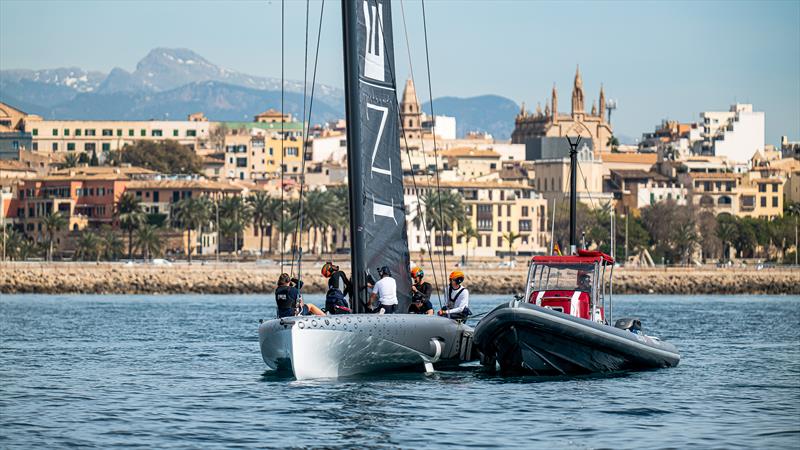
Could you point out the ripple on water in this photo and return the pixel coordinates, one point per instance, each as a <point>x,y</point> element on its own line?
<point>185,371</point>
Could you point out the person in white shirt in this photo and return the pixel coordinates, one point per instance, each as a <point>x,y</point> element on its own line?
<point>384,292</point>
<point>457,298</point>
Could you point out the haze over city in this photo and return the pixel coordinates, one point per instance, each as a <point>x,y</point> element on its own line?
<point>658,60</point>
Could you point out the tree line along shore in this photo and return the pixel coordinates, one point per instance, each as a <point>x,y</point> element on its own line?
<point>91,278</point>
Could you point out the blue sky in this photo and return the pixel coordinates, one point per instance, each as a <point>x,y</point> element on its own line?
<point>657,59</point>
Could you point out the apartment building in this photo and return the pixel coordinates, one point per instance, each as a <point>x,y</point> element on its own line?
<point>58,136</point>
<point>493,208</point>
<point>255,154</point>
<point>735,134</point>
<point>636,189</point>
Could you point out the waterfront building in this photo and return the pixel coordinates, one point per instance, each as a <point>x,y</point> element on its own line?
<point>469,163</point>
<point>735,134</point>
<point>672,140</point>
<point>493,209</point>
<point>540,131</point>
<point>636,189</point>
<point>551,178</point>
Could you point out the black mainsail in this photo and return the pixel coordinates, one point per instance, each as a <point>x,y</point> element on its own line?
<point>377,214</point>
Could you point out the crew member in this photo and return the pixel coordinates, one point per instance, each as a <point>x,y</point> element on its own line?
<point>338,289</point>
<point>457,298</point>
<point>289,301</point>
<point>384,293</point>
<point>420,293</point>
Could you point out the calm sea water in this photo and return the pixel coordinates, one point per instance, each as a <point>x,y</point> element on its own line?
<point>185,371</point>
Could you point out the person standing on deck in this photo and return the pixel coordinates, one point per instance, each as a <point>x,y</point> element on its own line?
<point>289,301</point>
<point>338,289</point>
<point>457,298</point>
<point>384,292</point>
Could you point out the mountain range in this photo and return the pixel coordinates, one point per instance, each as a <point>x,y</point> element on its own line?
<point>173,83</point>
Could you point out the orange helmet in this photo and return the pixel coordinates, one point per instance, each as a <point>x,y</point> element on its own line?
<point>457,276</point>
<point>417,272</point>
<point>328,268</point>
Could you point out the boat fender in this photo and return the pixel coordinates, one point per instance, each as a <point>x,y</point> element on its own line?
<point>436,349</point>
<point>631,324</point>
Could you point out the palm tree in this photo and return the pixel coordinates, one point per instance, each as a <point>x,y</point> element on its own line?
<point>266,211</point>
<point>52,224</point>
<point>13,242</point>
<point>510,237</point>
<point>318,214</point>
<point>113,246</point>
<point>71,160</point>
<point>192,213</point>
<point>131,215</point>
<point>235,214</point>
<point>442,210</point>
<point>148,241</point>
<point>90,246</point>
<point>726,232</point>
<point>468,234</point>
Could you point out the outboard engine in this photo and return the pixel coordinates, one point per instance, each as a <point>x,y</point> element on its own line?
<point>631,324</point>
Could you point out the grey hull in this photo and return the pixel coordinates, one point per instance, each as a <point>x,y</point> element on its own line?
<point>345,345</point>
<point>531,339</point>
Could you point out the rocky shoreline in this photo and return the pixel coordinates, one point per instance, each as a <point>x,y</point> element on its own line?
<point>250,278</point>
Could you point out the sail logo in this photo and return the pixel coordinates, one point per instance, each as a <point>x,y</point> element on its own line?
<point>373,54</point>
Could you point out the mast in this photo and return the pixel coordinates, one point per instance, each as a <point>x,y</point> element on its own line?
<point>375,179</point>
<point>357,278</point>
<point>573,192</point>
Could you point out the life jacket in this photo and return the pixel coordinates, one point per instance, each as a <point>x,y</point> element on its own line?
<point>335,302</point>
<point>286,301</point>
<point>451,301</point>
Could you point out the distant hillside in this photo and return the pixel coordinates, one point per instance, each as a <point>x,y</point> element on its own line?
<point>490,113</point>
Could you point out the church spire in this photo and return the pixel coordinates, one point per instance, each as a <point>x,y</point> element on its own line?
<point>577,93</point>
<point>522,112</point>
<point>602,103</point>
<point>554,109</point>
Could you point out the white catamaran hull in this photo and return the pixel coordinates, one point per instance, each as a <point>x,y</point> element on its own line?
<point>345,345</point>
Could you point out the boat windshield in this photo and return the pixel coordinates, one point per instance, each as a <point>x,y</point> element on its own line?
<point>562,277</point>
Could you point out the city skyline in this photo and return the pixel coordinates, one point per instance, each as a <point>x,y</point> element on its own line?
<point>658,60</point>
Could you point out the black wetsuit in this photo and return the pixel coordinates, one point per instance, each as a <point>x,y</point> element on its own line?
<point>338,280</point>
<point>286,299</point>
<point>425,289</point>
<point>421,309</point>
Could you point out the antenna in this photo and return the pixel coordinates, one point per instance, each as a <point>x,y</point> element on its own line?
<point>611,105</point>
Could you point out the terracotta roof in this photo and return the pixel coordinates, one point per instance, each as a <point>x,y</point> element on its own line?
<point>15,166</point>
<point>466,152</point>
<point>204,185</point>
<point>103,170</point>
<point>632,158</point>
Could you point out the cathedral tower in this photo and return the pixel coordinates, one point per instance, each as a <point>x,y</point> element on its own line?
<point>602,103</point>
<point>554,108</point>
<point>577,93</point>
<point>410,113</point>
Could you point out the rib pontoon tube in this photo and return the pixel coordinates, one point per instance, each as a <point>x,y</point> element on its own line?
<point>523,337</point>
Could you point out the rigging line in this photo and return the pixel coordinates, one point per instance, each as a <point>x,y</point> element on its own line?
<point>281,237</point>
<point>306,132</point>
<point>298,225</point>
<point>405,141</point>
<point>424,161</point>
<point>435,151</point>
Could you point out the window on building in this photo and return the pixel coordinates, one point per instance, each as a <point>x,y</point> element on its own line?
<point>191,133</point>
<point>174,133</point>
<point>35,146</point>
<point>119,132</point>
<point>775,187</point>
<point>108,132</point>
<point>142,133</point>
<point>35,131</point>
<point>707,186</point>
<point>106,146</point>
<point>499,226</point>
<point>90,132</point>
<point>524,211</point>
<point>55,146</point>
<point>70,146</point>
<point>525,225</point>
<point>763,202</point>
<point>508,210</point>
<point>156,133</point>
<point>291,151</point>
<point>55,131</point>
<point>500,241</point>
<point>762,187</point>
<point>89,147</point>
<point>66,131</point>
<point>241,162</point>
<point>77,132</point>
<point>130,132</point>
<point>774,202</point>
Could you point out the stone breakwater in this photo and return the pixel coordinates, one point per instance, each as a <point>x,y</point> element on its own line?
<point>181,278</point>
